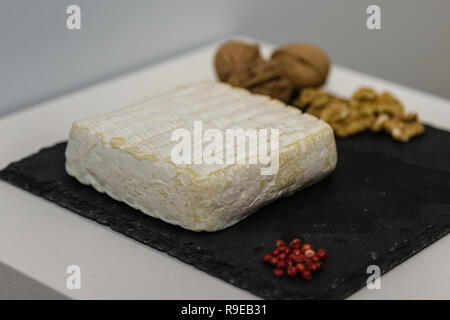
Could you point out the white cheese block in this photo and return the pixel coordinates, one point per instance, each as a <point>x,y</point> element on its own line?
<point>127,155</point>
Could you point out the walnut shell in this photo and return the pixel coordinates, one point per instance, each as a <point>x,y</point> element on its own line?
<point>280,89</point>
<point>233,55</point>
<point>304,64</point>
<point>264,77</point>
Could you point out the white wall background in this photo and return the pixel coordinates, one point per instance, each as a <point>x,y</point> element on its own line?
<point>41,59</point>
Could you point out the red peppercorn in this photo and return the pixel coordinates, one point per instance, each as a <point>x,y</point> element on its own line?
<point>278,272</point>
<point>314,268</point>
<point>322,254</point>
<point>309,253</point>
<point>286,250</point>
<point>295,244</point>
<point>301,267</point>
<point>273,260</point>
<point>280,243</point>
<point>281,264</point>
<point>267,257</point>
<point>306,275</point>
<point>276,252</point>
<point>295,259</point>
<point>292,271</point>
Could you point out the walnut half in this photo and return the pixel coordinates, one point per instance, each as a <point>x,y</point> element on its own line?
<point>365,110</point>
<point>405,127</point>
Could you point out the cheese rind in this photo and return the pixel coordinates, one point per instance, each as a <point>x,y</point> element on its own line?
<point>127,154</point>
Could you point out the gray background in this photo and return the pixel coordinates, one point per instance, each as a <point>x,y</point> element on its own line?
<point>41,59</point>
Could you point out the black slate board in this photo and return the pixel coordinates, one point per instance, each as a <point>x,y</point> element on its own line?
<point>384,202</point>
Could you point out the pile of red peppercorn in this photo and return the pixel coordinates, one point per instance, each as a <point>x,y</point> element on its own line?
<point>295,259</point>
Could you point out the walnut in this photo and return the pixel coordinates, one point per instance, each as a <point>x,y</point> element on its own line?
<point>320,102</point>
<point>264,77</point>
<point>405,127</point>
<point>345,120</point>
<point>307,96</point>
<point>233,55</point>
<point>336,112</point>
<point>354,123</point>
<point>387,103</point>
<point>368,100</point>
<point>379,122</point>
<point>280,89</point>
<point>304,64</point>
<point>315,100</point>
<point>364,94</point>
<point>365,110</point>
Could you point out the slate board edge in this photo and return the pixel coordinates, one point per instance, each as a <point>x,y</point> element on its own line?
<point>232,274</point>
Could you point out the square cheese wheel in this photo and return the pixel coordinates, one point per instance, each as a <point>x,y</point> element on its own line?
<point>140,155</point>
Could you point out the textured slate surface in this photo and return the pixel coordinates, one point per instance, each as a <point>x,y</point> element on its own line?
<point>385,202</point>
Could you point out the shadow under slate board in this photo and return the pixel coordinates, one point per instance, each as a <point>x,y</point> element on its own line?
<point>384,202</point>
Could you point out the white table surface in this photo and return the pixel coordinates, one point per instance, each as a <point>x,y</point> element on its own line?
<point>39,240</point>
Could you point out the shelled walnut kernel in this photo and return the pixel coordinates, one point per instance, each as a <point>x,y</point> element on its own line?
<point>365,110</point>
